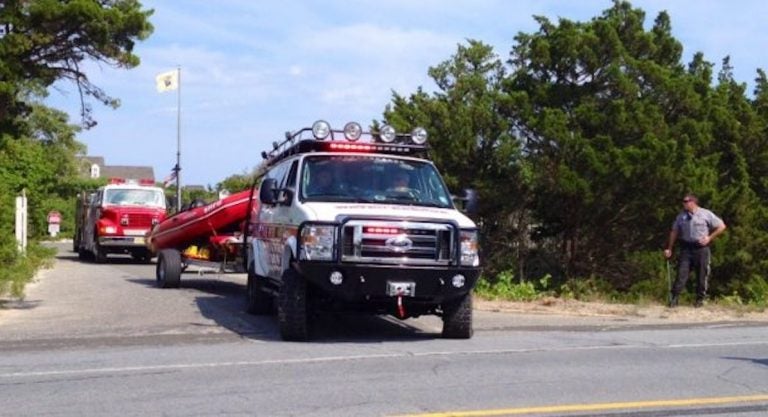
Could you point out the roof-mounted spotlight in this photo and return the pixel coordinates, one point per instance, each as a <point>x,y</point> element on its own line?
<point>321,129</point>
<point>264,155</point>
<point>387,134</point>
<point>419,136</point>
<point>352,131</point>
<point>275,145</point>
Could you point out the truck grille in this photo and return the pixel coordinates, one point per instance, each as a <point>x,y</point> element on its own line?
<point>139,220</point>
<point>407,243</point>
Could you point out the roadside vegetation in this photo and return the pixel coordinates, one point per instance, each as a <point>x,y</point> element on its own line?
<point>581,143</point>
<point>43,42</point>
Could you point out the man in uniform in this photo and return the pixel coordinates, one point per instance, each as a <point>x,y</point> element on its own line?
<point>695,228</point>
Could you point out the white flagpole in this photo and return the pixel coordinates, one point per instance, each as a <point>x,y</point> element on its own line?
<point>178,141</point>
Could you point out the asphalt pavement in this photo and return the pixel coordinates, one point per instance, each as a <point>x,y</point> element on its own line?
<point>100,339</point>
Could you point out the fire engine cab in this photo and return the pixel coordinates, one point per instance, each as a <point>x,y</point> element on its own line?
<point>359,221</point>
<point>116,218</point>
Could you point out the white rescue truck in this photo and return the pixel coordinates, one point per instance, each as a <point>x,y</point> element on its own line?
<point>359,221</point>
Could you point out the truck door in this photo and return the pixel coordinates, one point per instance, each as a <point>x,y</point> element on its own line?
<point>267,232</point>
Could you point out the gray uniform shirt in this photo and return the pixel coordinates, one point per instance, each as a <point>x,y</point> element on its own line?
<point>693,226</point>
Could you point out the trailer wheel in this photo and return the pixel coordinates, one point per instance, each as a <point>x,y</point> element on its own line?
<point>168,268</point>
<point>457,318</point>
<point>258,301</point>
<point>292,307</point>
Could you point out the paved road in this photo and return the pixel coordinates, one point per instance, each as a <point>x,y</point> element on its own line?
<point>101,340</point>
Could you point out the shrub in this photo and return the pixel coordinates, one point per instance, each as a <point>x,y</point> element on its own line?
<point>19,270</point>
<point>505,288</point>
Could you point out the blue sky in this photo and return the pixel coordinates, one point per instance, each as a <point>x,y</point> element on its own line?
<point>251,70</point>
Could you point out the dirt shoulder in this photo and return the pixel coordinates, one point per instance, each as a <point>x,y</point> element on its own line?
<point>556,310</point>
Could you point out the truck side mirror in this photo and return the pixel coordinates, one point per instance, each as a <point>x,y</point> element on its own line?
<point>267,191</point>
<point>470,201</point>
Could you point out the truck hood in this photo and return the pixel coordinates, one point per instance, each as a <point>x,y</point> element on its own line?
<point>331,212</point>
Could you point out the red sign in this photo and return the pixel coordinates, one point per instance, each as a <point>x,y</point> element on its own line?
<point>54,217</point>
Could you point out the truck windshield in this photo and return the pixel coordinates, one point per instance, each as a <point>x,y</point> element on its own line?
<point>134,197</point>
<point>372,179</point>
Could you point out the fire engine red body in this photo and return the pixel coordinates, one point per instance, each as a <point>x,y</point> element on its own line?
<point>116,218</point>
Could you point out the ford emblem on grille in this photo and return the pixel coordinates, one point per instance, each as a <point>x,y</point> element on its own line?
<point>399,244</point>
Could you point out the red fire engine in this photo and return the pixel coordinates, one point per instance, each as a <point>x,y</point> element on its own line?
<point>116,218</point>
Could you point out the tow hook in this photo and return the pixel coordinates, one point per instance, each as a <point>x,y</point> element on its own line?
<point>400,307</point>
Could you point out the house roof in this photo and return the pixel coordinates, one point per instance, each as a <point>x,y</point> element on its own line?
<point>132,172</point>
<point>98,160</point>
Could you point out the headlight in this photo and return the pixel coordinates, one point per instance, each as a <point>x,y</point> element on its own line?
<point>321,129</point>
<point>352,131</point>
<point>108,230</point>
<point>469,256</point>
<point>419,136</point>
<point>317,243</point>
<point>387,134</point>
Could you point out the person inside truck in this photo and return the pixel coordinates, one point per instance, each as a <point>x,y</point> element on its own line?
<point>400,181</point>
<point>399,186</point>
<point>322,182</point>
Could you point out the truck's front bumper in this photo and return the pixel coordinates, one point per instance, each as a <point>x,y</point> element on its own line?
<point>122,241</point>
<point>368,282</point>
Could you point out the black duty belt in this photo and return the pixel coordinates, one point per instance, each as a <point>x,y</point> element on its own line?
<point>691,245</point>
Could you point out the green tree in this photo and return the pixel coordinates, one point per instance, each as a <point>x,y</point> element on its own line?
<point>49,40</point>
<point>612,125</point>
<point>473,144</point>
<point>593,132</point>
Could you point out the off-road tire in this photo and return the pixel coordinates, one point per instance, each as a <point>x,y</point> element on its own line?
<point>293,307</point>
<point>457,318</point>
<point>258,302</point>
<point>168,268</point>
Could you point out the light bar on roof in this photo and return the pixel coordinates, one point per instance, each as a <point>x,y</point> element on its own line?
<point>367,147</point>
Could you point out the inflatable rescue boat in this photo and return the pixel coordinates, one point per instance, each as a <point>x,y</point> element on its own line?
<point>198,224</point>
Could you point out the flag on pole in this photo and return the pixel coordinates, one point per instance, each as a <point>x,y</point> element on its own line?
<point>167,81</point>
<point>169,179</point>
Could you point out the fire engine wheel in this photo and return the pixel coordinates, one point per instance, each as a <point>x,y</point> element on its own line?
<point>168,268</point>
<point>258,301</point>
<point>83,254</point>
<point>99,255</point>
<point>76,242</point>
<point>292,307</point>
<point>457,318</point>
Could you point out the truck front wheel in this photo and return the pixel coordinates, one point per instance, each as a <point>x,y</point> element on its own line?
<point>168,268</point>
<point>457,318</point>
<point>292,307</point>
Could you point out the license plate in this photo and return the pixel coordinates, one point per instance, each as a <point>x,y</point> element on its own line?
<point>401,289</point>
<point>139,240</point>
